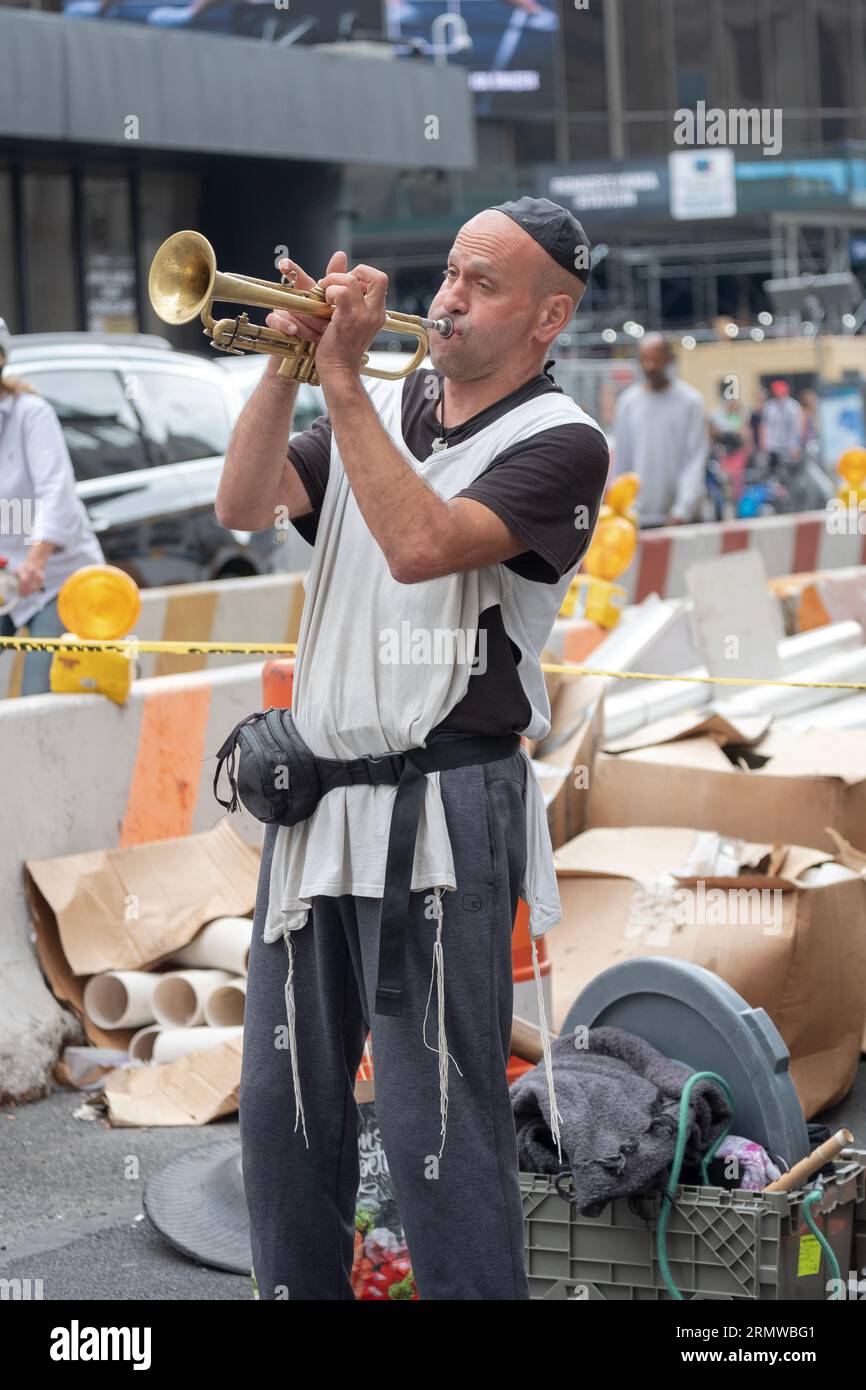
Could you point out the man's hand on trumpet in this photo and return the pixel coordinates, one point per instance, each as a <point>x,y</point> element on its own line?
<point>358,300</point>
<point>303,326</point>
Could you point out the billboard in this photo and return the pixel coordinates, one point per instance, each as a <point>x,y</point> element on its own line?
<point>508,47</point>
<point>616,189</point>
<point>293,21</point>
<point>702,185</point>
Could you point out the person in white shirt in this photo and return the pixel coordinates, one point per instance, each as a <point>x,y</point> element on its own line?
<point>45,532</point>
<point>661,434</point>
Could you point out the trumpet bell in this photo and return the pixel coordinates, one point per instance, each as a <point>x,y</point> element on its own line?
<point>182,275</point>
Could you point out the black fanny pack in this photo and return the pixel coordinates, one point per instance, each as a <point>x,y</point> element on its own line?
<point>274,773</point>
<point>271,770</point>
<point>278,777</point>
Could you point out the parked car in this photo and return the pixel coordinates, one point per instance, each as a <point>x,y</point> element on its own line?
<point>246,372</point>
<point>147,429</point>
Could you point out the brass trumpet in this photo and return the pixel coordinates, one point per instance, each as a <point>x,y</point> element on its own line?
<point>184,282</point>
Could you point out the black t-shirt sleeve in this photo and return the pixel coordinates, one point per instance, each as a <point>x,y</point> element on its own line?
<point>309,452</point>
<point>548,490</point>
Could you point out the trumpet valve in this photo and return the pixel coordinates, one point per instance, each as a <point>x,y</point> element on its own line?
<point>224,332</point>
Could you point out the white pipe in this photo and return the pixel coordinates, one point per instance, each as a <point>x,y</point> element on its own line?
<point>172,1043</point>
<point>225,1007</point>
<point>141,1046</point>
<point>224,944</point>
<point>652,700</point>
<point>819,641</point>
<point>627,710</point>
<point>847,713</point>
<point>120,998</point>
<point>625,645</point>
<point>179,999</point>
<point>841,666</point>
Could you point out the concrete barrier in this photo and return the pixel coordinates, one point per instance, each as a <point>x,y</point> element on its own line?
<point>267,608</point>
<point>828,596</point>
<point>261,608</point>
<point>85,774</point>
<point>788,544</point>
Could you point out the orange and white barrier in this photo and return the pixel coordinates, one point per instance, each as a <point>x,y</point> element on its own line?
<point>788,544</point>
<point>258,608</point>
<point>86,774</point>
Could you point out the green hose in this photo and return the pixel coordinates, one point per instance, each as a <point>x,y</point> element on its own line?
<point>673,1181</point>
<point>825,1245</point>
<point>679,1152</point>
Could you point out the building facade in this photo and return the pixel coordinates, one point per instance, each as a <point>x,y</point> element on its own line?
<point>114,135</point>
<point>689,232</point>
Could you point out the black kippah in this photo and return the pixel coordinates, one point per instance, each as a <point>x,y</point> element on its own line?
<point>554,228</point>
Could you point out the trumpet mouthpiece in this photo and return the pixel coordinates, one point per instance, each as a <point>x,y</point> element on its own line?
<point>444,326</point>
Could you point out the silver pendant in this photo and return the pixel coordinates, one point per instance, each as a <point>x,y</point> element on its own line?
<point>438,445</point>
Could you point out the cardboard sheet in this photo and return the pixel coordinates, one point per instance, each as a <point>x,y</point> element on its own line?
<point>688,725</point>
<point>124,909</point>
<point>564,761</point>
<point>191,1091</point>
<point>795,786</point>
<point>129,909</point>
<point>738,908</point>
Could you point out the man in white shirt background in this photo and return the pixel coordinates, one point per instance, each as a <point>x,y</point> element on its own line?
<point>661,434</point>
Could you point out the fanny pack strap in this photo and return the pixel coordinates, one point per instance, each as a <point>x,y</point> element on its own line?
<point>229,753</point>
<point>405,818</point>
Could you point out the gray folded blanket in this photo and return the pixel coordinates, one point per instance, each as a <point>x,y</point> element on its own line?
<point>619,1099</point>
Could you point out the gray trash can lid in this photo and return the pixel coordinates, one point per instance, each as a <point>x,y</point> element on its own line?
<point>695,1017</point>
<point>196,1201</point>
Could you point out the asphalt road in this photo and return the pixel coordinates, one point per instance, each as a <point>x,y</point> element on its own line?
<point>71,1206</point>
<point>71,1211</point>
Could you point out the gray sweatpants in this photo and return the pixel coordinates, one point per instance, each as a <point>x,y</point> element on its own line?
<point>461,1211</point>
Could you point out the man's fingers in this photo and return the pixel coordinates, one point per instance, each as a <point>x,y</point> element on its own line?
<point>364,275</point>
<point>303,281</point>
<point>371,278</point>
<point>338,262</point>
<point>296,325</point>
<point>337,295</point>
<point>372,283</point>
<point>341,277</point>
<point>375,283</point>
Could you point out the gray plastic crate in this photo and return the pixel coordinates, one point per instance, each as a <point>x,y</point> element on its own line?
<point>859,1262</point>
<point>721,1244</point>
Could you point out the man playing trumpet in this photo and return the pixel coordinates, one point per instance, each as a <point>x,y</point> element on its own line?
<point>456,501</point>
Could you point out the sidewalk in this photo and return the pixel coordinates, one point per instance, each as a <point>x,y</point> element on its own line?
<point>69,1216</point>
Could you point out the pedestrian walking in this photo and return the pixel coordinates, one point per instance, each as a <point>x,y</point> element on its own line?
<point>45,532</point>
<point>660,433</point>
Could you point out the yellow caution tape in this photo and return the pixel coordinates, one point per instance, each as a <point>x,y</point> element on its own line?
<point>703,680</point>
<point>133,647</point>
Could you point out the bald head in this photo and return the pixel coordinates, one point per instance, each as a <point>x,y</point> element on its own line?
<point>655,355</point>
<point>509,300</point>
<point>527,259</point>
